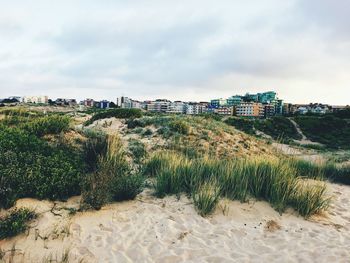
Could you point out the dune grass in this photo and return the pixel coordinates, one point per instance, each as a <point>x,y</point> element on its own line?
<point>113,179</point>
<point>273,180</point>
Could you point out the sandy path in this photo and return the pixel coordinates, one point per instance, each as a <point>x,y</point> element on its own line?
<point>169,230</point>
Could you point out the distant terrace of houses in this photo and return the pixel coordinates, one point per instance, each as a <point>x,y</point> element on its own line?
<point>260,105</point>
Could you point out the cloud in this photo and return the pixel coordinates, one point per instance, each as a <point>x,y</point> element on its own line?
<point>195,50</point>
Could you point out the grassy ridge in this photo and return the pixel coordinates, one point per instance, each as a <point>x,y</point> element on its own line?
<point>117,113</point>
<point>279,128</point>
<point>273,180</point>
<point>329,130</point>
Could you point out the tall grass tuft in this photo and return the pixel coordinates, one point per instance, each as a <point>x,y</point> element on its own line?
<point>310,199</point>
<point>273,180</point>
<point>206,197</point>
<point>113,180</point>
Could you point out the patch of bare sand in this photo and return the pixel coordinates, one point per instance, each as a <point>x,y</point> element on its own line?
<point>170,230</point>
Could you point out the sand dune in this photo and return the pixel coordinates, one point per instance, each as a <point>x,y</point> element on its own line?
<point>169,230</point>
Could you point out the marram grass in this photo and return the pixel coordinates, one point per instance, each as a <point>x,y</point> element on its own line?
<point>276,181</point>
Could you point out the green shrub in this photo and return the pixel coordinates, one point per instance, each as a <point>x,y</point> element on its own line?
<point>93,148</point>
<point>16,222</point>
<point>138,150</point>
<point>30,167</point>
<point>147,132</point>
<point>117,113</point>
<point>126,187</point>
<point>179,126</point>
<point>53,124</point>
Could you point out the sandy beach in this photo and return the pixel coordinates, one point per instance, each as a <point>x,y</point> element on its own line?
<point>170,230</point>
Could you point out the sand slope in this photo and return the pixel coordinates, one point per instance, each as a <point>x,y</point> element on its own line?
<point>169,230</point>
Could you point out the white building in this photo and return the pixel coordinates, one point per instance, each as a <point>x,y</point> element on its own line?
<point>194,108</point>
<point>159,105</point>
<point>36,99</point>
<point>177,107</point>
<point>127,103</point>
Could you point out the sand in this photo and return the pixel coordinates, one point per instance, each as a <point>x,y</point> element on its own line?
<point>169,230</point>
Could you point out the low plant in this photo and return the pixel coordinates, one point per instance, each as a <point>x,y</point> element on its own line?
<point>16,222</point>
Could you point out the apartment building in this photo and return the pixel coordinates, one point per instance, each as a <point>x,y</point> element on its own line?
<point>160,105</point>
<point>36,99</point>
<point>176,107</point>
<point>128,103</point>
<point>228,111</point>
<point>195,108</point>
<point>250,109</point>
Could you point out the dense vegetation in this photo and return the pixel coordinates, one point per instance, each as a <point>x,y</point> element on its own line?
<point>117,113</point>
<point>31,167</point>
<point>329,130</point>
<point>279,128</point>
<point>15,222</point>
<point>198,159</point>
<point>239,179</point>
<point>113,179</point>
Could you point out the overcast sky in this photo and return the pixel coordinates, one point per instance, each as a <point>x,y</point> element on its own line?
<point>176,49</point>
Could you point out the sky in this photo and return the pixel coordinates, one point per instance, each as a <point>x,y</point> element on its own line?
<point>191,50</point>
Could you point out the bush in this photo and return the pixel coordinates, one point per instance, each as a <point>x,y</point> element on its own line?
<point>127,187</point>
<point>138,150</point>
<point>53,124</point>
<point>117,113</point>
<point>30,167</point>
<point>179,126</point>
<point>147,132</point>
<point>16,222</point>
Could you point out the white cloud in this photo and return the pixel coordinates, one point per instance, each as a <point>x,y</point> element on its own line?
<point>193,50</point>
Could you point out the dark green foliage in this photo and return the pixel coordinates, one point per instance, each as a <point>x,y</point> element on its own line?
<point>147,132</point>
<point>117,113</point>
<point>280,128</point>
<point>328,130</point>
<point>30,167</point>
<point>126,187</point>
<point>343,114</point>
<point>245,125</point>
<point>16,222</point>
